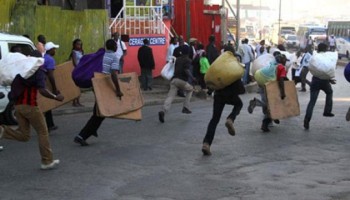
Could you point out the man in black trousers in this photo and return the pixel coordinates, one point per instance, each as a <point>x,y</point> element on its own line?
<point>146,61</point>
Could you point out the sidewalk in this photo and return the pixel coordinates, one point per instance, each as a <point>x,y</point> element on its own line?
<point>154,97</point>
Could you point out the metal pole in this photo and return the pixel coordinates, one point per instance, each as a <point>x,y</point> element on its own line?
<point>223,22</point>
<point>279,23</point>
<point>188,20</point>
<point>238,25</point>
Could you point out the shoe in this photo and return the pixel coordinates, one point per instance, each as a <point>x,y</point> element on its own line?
<point>161,116</point>
<point>302,90</point>
<point>206,149</point>
<point>252,104</point>
<point>52,128</point>
<point>306,124</point>
<point>265,125</point>
<point>80,141</point>
<point>277,121</point>
<point>347,117</point>
<point>2,130</point>
<point>150,88</point>
<point>51,165</point>
<point>1,148</point>
<point>186,110</point>
<point>328,114</point>
<point>2,95</point>
<point>229,126</point>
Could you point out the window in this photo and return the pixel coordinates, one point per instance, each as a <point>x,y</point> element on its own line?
<point>26,49</point>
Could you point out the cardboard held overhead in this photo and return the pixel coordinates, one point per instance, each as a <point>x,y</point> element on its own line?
<point>109,105</point>
<point>64,83</point>
<point>278,108</point>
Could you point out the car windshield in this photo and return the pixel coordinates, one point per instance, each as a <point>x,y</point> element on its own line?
<point>291,37</point>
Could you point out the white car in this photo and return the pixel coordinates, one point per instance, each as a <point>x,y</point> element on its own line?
<point>291,41</point>
<point>7,42</point>
<point>343,47</point>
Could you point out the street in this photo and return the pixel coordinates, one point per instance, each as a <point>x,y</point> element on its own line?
<point>148,160</point>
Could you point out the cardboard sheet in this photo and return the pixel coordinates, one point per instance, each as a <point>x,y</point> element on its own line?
<point>108,103</point>
<point>133,115</point>
<point>281,109</point>
<point>64,83</point>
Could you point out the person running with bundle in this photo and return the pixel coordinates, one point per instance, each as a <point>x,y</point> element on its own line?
<point>226,96</point>
<point>280,74</point>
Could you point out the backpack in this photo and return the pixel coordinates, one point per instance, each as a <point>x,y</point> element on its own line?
<point>84,71</point>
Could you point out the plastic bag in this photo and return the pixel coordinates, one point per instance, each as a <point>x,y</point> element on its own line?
<point>265,74</point>
<point>17,63</point>
<point>262,61</point>
<point>168,69</point>
<point>322,65</point>
<point>204,65</point>
<point>225,70</point>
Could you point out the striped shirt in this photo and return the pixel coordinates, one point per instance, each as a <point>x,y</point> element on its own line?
<point>36,82</point>
<point>110,62</point>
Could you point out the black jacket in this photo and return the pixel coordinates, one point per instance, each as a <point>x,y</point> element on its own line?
<point>145,57</point>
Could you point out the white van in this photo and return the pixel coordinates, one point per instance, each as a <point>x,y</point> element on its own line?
<point>7,42</point>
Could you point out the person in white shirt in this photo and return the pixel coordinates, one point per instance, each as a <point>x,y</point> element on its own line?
<point>304,63</point>
<point>172,46</point>
<point>121,51</point>
<point>332,43</point>
<point>247,56</point>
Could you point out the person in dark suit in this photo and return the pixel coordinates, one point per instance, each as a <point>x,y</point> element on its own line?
<point>146,61</point>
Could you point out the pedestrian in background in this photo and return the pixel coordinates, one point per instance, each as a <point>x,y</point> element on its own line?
<point>24,94</point>
<point>180,81</point>
<point>110,67</point>
<point>49,67</point>
<point>247,57</point>
<point>40,46</point>
<point>121,51</point>
<point>211,50</point>
<point>304,63</point>
<point>76,54</point>
<point>173,44</point>
<point>146,62</point>
<point>226,96</point>
<point>318,84</point>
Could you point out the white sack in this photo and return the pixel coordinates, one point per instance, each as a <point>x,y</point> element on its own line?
<point>322,65</point>
<point>262,61</point>
<point>17,63</point>
<point>168,69</point>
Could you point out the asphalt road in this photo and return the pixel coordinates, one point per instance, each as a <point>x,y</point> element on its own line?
<point>148,160</point>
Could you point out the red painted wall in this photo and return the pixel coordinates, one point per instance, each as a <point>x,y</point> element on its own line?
<point>202,25</point>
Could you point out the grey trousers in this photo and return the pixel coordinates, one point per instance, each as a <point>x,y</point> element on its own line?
<point>176,84</point>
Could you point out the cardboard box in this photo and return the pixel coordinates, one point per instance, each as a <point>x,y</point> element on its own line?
<point>64,83</point>
<point>278,108</point>
<point>109,105</point>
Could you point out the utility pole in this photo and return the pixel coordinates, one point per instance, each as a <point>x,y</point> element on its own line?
<point>188,20</point>
<point>238,23</point>
<point>223,22</point>
<point>279,23</point>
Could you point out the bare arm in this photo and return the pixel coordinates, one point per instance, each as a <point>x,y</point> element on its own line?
<point>46,93</point>
<point>116,83</point>
<point>52,81</point>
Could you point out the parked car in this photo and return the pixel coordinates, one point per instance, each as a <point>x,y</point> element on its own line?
<point>291,41</point>
<point>8,41</point>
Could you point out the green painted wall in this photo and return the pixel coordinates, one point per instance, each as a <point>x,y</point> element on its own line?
<point>6,7</point>
<point>60,26</point>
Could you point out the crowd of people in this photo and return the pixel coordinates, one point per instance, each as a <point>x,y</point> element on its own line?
<point>192,62</point>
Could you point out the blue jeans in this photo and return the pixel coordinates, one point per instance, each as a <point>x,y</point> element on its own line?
<point>246,73</point>
<point>317,85</point>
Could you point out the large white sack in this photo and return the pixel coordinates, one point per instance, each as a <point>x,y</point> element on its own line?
<point>17,63</point>
<point>322,65</point>
<point>262,61</point>
<point>288,55</point>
